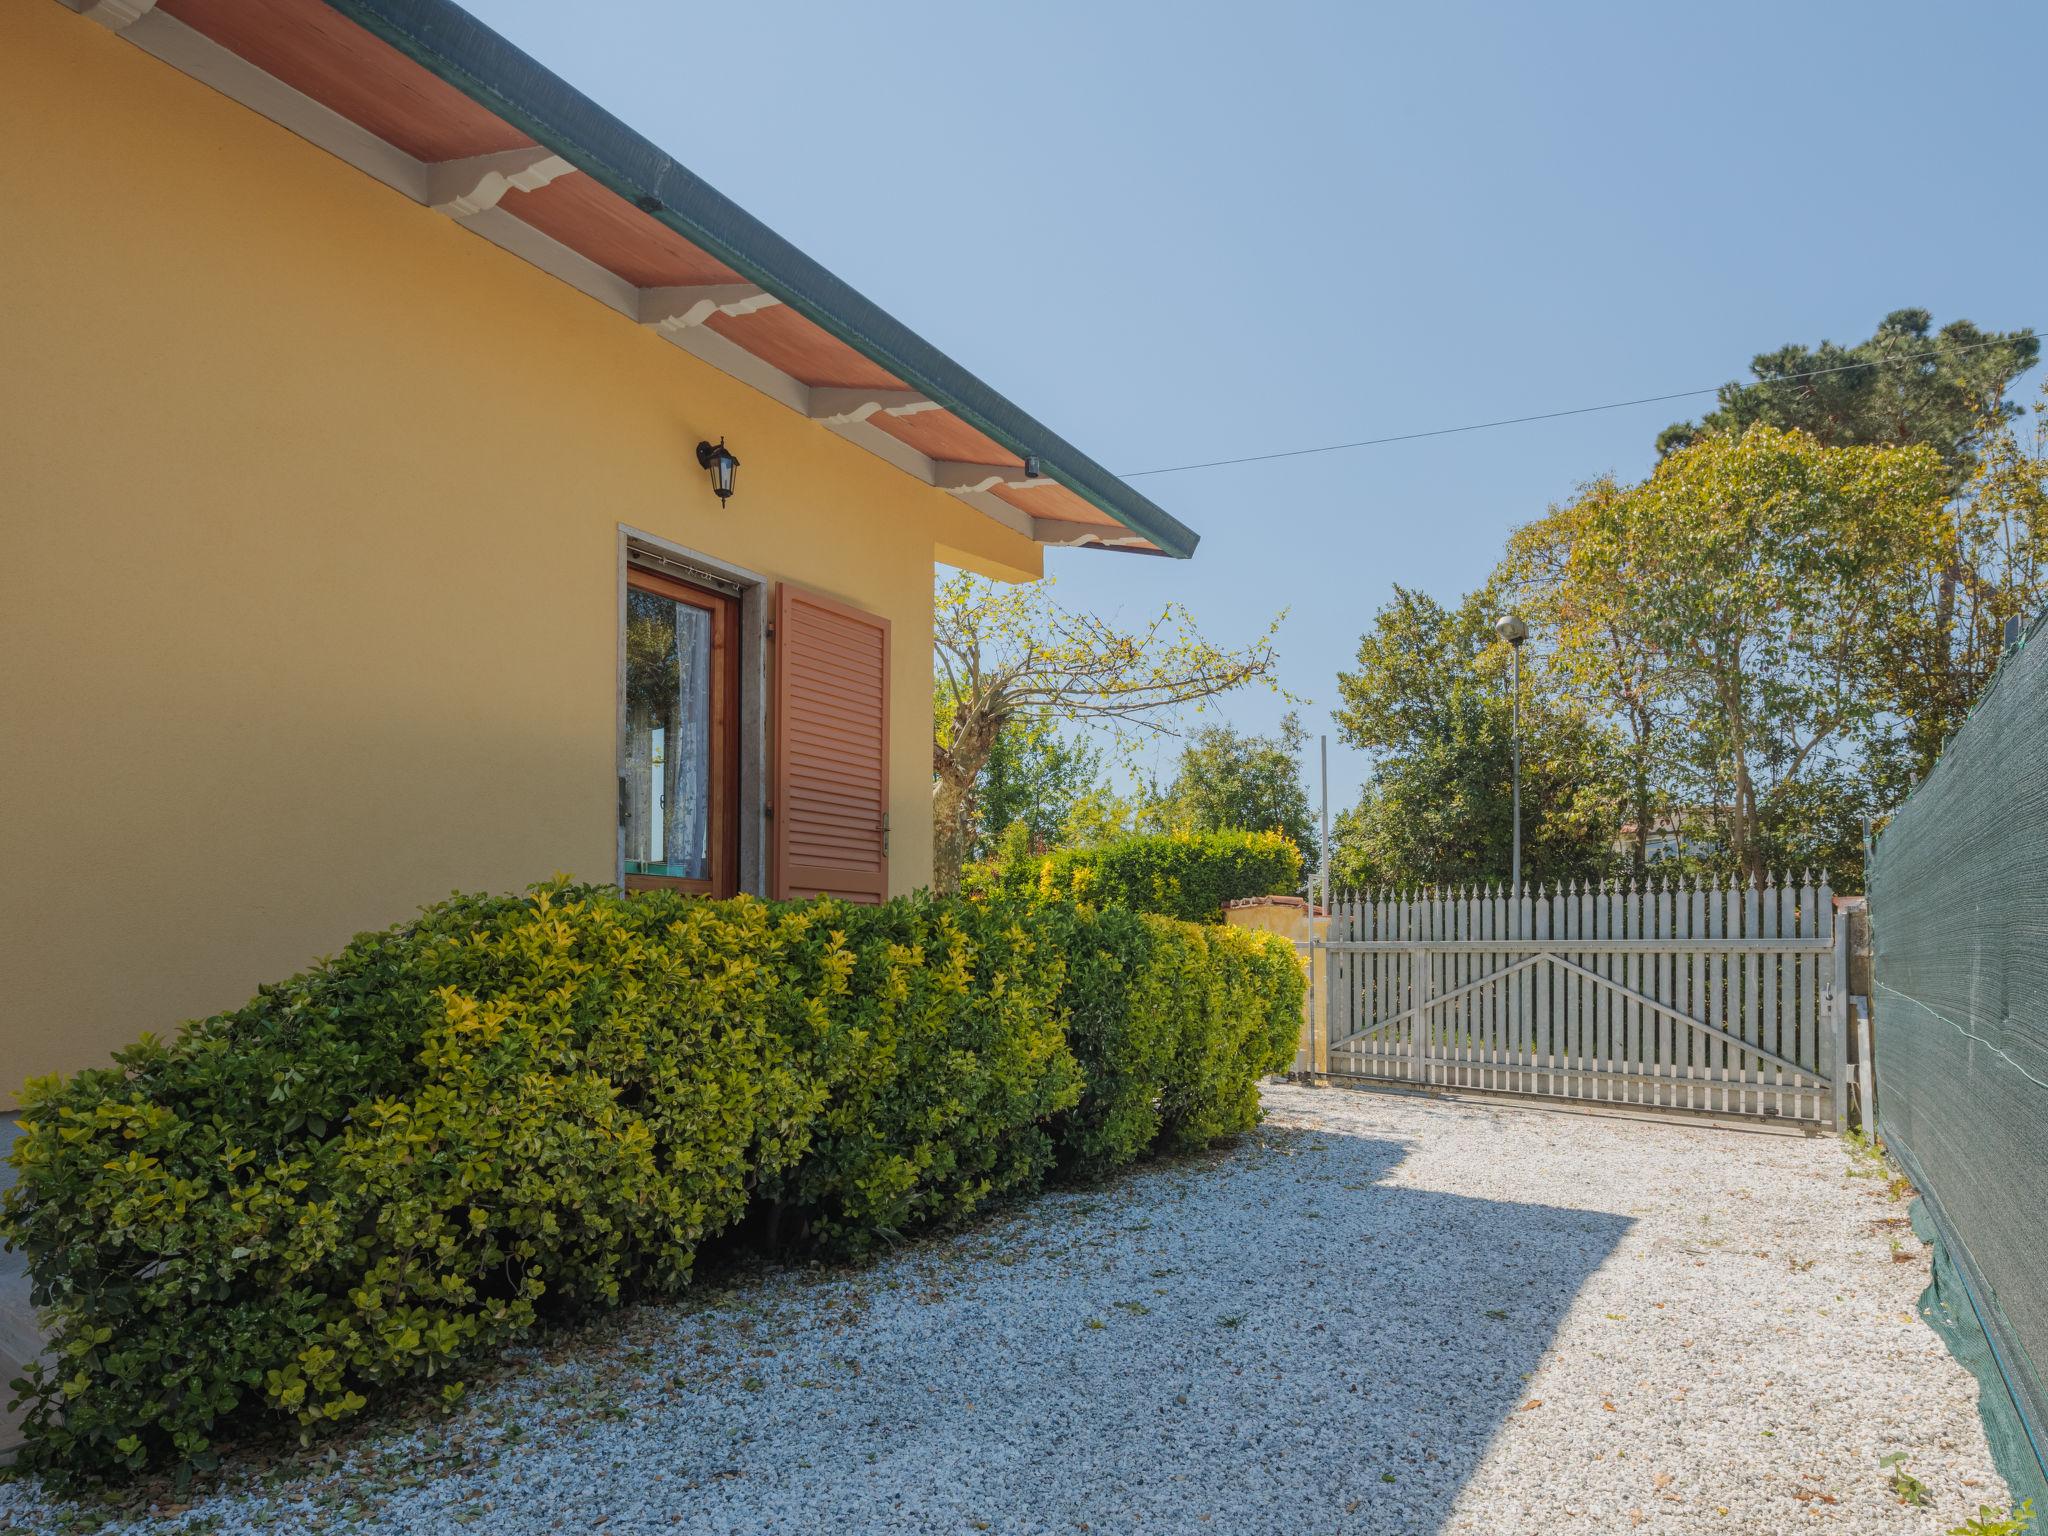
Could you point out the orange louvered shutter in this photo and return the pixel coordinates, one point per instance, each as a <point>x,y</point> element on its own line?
<point>831,749</point>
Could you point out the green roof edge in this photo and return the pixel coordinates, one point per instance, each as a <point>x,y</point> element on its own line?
<point>453,45</point>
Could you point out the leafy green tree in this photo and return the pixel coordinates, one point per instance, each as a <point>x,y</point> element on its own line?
<point>1945,390</point>
<point>1034,778</point>
<point>1923,654</point>
<point>1940,649</point>
<point>1004,654</point>
<point>1758,571</point>
<point>1228,780</point>
<point>1814,824</point>
<point>1101,814</point>
<point>1765,641</point>
<point>1587,642</point>
<point>1907,384</point>
<point>1430,696</point>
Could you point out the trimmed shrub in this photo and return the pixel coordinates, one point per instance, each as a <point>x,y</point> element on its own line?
<point>1121,1030</point>
<point>517,1107</point>
<point>1188,875</point>
<point>398,1157</point>
<point>1238,994</point>
<point>942,1067</point>
<point>1173,1026</point>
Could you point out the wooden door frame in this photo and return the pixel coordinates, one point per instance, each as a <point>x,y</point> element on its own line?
<point>724,831</point>
<point>637,547</point>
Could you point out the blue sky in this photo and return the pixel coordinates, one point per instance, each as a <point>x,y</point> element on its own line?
<point>1178,231</point>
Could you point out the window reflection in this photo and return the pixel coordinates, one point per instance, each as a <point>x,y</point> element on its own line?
<point>668,744</point>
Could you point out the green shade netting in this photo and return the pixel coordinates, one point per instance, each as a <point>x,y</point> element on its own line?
<point>1959,916</point>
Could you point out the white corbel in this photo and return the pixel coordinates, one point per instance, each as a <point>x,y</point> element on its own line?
<point>679,309</point>
<point>463,188</point>
<point>970,479</point>
<point>837,407</point>
<point>116,15</point>
<point>1058,533</point>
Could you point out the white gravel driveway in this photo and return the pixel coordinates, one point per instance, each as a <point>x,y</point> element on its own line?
<point>1379,1314</point>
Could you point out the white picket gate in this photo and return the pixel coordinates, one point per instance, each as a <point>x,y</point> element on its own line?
<point>1666,995</point>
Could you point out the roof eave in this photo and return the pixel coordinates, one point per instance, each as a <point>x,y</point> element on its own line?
<point>452,44</point>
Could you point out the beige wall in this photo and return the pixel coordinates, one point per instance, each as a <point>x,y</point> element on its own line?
<point>309,512</point>
<point>1289,917</point>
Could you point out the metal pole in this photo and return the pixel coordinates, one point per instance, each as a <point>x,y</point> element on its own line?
<point>1518,771</point>
<point>1514,631</point>
<point>1325,746</point>
<point>1313,950</point>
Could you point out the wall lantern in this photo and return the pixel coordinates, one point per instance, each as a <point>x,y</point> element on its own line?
<point>723,466</point>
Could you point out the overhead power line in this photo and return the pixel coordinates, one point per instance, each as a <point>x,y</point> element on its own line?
<point>1581,410</point>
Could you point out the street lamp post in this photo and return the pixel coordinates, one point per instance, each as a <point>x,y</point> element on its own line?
<point>1514,631</point>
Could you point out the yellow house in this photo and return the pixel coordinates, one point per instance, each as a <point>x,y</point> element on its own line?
<point>368,398</point>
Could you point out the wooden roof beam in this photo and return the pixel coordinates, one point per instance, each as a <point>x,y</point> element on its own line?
<point>1058,533</point>
<point>971,479</point>
<point>114,15</point>
<point>670,310</point>
<point>464,188</point>
<point>841,407</point>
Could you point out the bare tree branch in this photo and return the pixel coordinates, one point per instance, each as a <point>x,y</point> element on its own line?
<point>1012,653</point>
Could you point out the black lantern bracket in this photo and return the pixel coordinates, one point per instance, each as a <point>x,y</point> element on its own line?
<point>724,468</point>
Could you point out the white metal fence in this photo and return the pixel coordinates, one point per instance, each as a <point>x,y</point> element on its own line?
<point>1718,999</point>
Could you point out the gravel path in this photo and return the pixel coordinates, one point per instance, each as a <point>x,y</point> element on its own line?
<point>1380,1314</point>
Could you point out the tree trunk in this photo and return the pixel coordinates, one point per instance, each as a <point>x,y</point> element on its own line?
<point>956,770</point>
<point>1948,692</point>
<point>1749,854</point>
<point>1640,859</point>
<point>1642,795</point>
<point>952,828</point>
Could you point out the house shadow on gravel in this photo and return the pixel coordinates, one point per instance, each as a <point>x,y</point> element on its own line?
<point>1273,1339</point>
<point>1355,1347</point>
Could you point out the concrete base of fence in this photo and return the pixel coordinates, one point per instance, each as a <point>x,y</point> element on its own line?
<point>1290,917</point>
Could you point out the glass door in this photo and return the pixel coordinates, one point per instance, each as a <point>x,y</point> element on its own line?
<point>679,738</point>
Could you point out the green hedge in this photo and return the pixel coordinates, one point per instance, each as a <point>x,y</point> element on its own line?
<point>1173,1024</point>
<point>519,1107</point>
<point>1188,875</point>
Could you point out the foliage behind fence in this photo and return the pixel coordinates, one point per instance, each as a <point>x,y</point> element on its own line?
<point>1188,875</point>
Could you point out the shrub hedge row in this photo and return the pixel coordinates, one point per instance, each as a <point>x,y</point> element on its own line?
<point>1188,875</point>
<point>514,1108</point>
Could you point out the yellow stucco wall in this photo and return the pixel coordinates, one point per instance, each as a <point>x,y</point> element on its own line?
<point>309,510</point>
